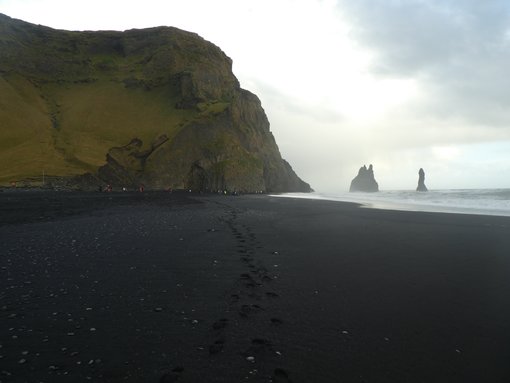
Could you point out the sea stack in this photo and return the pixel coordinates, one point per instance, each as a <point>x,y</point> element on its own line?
<point>364,181</point>
<point>421,181</point>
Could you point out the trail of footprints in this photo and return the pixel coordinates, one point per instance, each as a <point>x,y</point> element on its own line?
<point>252,288</point>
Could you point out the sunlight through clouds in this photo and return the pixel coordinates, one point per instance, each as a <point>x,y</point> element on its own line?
<point>345,82</point>
<point>447,153</point>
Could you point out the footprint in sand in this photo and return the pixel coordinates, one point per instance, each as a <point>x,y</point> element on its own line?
<point>220,324</point>
<point>247,310</point>
<point>281,376</point>
<point>254,295</point>
<point>172,376</point>
<point>259,347</point>
<point>276,321</point>
<point>216,347</point>
<point>248,280</point>
<point>261,343</point>
<point>235,297</point>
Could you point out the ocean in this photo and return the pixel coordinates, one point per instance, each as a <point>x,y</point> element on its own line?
<point>462,201</point>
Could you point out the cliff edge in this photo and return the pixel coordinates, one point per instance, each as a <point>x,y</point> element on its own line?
<point>157,106</point>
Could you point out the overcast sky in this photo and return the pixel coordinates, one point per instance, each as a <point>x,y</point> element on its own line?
<point>400,84</point>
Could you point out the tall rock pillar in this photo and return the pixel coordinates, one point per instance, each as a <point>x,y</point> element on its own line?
<point>421,181</point>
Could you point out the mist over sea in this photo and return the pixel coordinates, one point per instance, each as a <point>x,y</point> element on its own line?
<point>463,201</point>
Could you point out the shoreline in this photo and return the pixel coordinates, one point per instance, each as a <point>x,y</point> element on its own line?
<point>160,287</point>
<point>363,200</point>
<point>367,200</point>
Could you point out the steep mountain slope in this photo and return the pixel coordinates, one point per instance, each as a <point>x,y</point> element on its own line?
<point>158,106</point>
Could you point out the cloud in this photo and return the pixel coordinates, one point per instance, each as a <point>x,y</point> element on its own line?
<point>458,50</point>
<point>349,82</point>
<point>417,35</point>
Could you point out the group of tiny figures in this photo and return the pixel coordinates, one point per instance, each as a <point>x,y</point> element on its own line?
<point>109,188</point>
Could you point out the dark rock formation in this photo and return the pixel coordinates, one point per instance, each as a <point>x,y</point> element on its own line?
<point>158,106</point>
<point>421,181</point>
<point>364,181</point>
<point>209,155</point>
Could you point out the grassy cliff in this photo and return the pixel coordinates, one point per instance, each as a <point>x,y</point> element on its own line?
<point>158,106</point>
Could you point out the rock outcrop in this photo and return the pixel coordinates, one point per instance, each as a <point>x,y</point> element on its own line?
<point>421,181</point>
<point>158,106</point>
<point>364,181</point>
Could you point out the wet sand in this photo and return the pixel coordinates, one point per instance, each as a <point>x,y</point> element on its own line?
<point>159,287</point>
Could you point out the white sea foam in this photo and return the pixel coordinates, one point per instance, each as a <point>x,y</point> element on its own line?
<point>465,201</point>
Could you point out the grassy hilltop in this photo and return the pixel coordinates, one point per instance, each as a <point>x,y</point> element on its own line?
<point>158,106</point>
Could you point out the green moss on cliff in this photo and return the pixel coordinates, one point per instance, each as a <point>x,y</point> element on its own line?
<point>66,130</point>
<point>159,106</point>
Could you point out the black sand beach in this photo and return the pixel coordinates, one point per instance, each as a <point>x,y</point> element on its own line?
<point>160,287</point>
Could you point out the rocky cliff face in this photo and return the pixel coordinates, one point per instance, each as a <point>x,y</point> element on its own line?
<point>364,181</point>
<point>421,181</point>
<point>158,106</point>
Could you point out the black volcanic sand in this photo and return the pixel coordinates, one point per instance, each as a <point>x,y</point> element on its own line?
<point>160,287</point>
